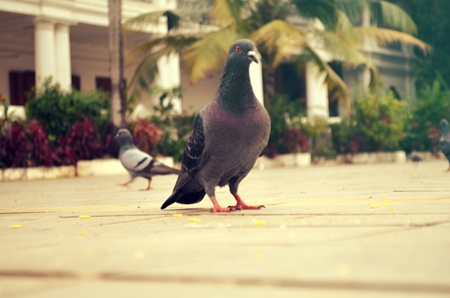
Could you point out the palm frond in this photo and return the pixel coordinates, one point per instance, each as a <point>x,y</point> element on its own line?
<point>335,84</point>
<point>174,17</point>
<point>174,43</point>
<point>279,38</point>
<point>208,53</point>
<point>384,36</point>
<point>389,15</point>
<point>228,12</point>
<point>382,14</point>
<point>344,44</point>
<point>138,23</point>
<point>151,51</point>
<point>145,74</point>
<point>323,10</point>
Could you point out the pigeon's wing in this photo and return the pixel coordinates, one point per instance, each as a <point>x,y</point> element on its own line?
<point>187,190</point>
<point>135,160</point>
<point>194,156</point>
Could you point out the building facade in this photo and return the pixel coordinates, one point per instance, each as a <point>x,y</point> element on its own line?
<point>67,40</point>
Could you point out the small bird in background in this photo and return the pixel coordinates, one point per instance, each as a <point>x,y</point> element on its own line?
<point>229,134</point>
<point>414,157</point>
<point>138,163</point>
<point>444,141</point>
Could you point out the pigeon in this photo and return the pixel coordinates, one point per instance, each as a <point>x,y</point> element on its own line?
<point>228,136</point>
<point>138,163</point>
<point>414,157</point>
<point>444,141</point>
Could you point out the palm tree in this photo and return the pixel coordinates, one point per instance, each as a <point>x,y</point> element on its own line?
<point>297,30</point>
<point>116,64</point>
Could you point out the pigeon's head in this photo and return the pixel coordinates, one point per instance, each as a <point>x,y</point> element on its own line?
<point>124,137</point>
<point>242,51</point>
<point>444,126</point>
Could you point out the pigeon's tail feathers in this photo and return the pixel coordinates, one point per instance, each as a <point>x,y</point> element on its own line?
<point>161,169</point>
<point>187,198</point>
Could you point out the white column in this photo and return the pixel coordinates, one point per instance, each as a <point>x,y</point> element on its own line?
<point>44,48</point>
<point>63,62</point>
<point>256,79</point>
<point>169,77</point>
<point>316,93</point>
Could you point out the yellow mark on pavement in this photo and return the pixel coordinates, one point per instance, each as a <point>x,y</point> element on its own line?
<point>15,226</point>
<point>375,206</point>
<point>177,215</point>
<point>84,216</point>
<point>194,219</point>
<point>257,222</point>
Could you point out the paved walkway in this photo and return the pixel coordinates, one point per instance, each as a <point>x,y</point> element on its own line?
<point>337,231</point>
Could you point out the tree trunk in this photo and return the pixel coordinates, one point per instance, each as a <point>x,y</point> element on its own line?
<point>269,84</point>
<point>118,100</point>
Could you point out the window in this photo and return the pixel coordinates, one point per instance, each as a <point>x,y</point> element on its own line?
<point>104,84</point>
<point>22,82</point>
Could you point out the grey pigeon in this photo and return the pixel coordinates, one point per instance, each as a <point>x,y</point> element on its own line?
<point>444,141</point>
<point>229,134</point>
<point>138,163</point>
<point>415,157</point>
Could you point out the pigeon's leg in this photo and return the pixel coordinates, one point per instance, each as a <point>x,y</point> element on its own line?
<point>211,192</point>
<point>234,184</point>
<point>217,207</point>
<point>148,187</point>
<point>240,205</point>
<point>128,182</point>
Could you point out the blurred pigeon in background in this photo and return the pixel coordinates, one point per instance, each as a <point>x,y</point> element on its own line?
<point>415,157</point>
<point>138,163</point>
<point>444,141</point>
<point>229,134</point>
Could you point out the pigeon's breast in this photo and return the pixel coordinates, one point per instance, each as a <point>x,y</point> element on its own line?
<point>234,142</point>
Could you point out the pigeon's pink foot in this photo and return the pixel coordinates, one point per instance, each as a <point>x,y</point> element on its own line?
<point>217,207</point>
<point>124,184</point>
<point>240,205</point>
<point>148,187</point>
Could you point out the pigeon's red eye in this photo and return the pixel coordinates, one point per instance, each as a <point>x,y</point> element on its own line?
<point>237,48</point>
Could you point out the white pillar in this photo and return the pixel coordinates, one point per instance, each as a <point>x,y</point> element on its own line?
<point>62,58</point>
<point>44,48</point>
<point>169,77</point>
<point>316,93</point>
<point>256,79</point>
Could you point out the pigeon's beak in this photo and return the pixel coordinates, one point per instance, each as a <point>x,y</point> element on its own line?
<point>252,56</point>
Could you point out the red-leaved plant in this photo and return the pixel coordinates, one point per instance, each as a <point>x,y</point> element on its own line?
<point>83,141</point>
<point>13,145</point>
<point>40,153</point>
<point>146,136</point>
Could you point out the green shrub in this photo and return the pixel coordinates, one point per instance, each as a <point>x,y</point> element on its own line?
<point>175,128</point>
<point>378,124</point>
<point>317,130</point>
<point>286,134</point>
<point>432,104</point>
<point>58,110</point>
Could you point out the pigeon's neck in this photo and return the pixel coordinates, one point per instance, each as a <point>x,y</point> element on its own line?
<point>235,92</point>
<point>126,147</point>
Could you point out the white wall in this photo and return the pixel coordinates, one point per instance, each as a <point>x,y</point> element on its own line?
<point>197,95</point>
